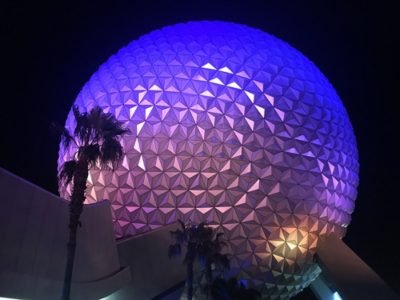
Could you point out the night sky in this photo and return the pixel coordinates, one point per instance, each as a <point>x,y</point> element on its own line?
<point>49,50</point>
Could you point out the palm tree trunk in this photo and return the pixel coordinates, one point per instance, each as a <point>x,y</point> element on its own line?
<point>75,209</point>
<point>208,279</point>
<point>189,271</point>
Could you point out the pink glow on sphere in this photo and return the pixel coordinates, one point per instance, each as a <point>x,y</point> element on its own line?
<point>232,126</point>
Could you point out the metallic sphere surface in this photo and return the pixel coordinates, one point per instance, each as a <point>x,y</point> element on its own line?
<point>232,126</point>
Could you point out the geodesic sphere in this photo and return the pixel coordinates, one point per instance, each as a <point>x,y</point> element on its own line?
<point>232,126</point>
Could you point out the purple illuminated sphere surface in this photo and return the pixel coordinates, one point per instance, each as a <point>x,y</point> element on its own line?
<point>232,126</point>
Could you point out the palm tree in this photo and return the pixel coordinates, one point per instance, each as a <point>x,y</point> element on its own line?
<point>203,244</point>
<point>210,253</point>
<point>96,138</point>
<point>183,238</point>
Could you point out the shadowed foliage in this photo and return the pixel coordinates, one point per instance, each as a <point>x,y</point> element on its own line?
<point>232,289</point>
<point>96,140</point>
<point>202,244</point>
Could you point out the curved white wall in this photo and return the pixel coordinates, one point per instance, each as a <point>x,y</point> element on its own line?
<point>33,233</point>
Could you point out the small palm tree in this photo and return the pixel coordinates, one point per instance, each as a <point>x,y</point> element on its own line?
<point>202,244</point>
<point>210,253</point>
<point>96,137</point>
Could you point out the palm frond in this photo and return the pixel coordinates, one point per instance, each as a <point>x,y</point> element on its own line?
<point>66,137</point>
<point>191,253</point>
<point>67,172</point>
<point>179,236</point>
<point>98,128</point>
<point>174,250</point>
<point>183,226</point>
<point>110,127</point>
<point>94,119</point>
<point>91,152</point>
<point>201,226</point>
<point>222,260</point>
<point>82,128</point>
<point>111,152</point>
<point>219,235</point>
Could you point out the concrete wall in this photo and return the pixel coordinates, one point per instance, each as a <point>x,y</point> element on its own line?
<point>343,271</point>
<point>152,271</point>
<point>33,235</point>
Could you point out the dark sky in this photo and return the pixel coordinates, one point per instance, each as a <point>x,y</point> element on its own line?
<point>49,50</point>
